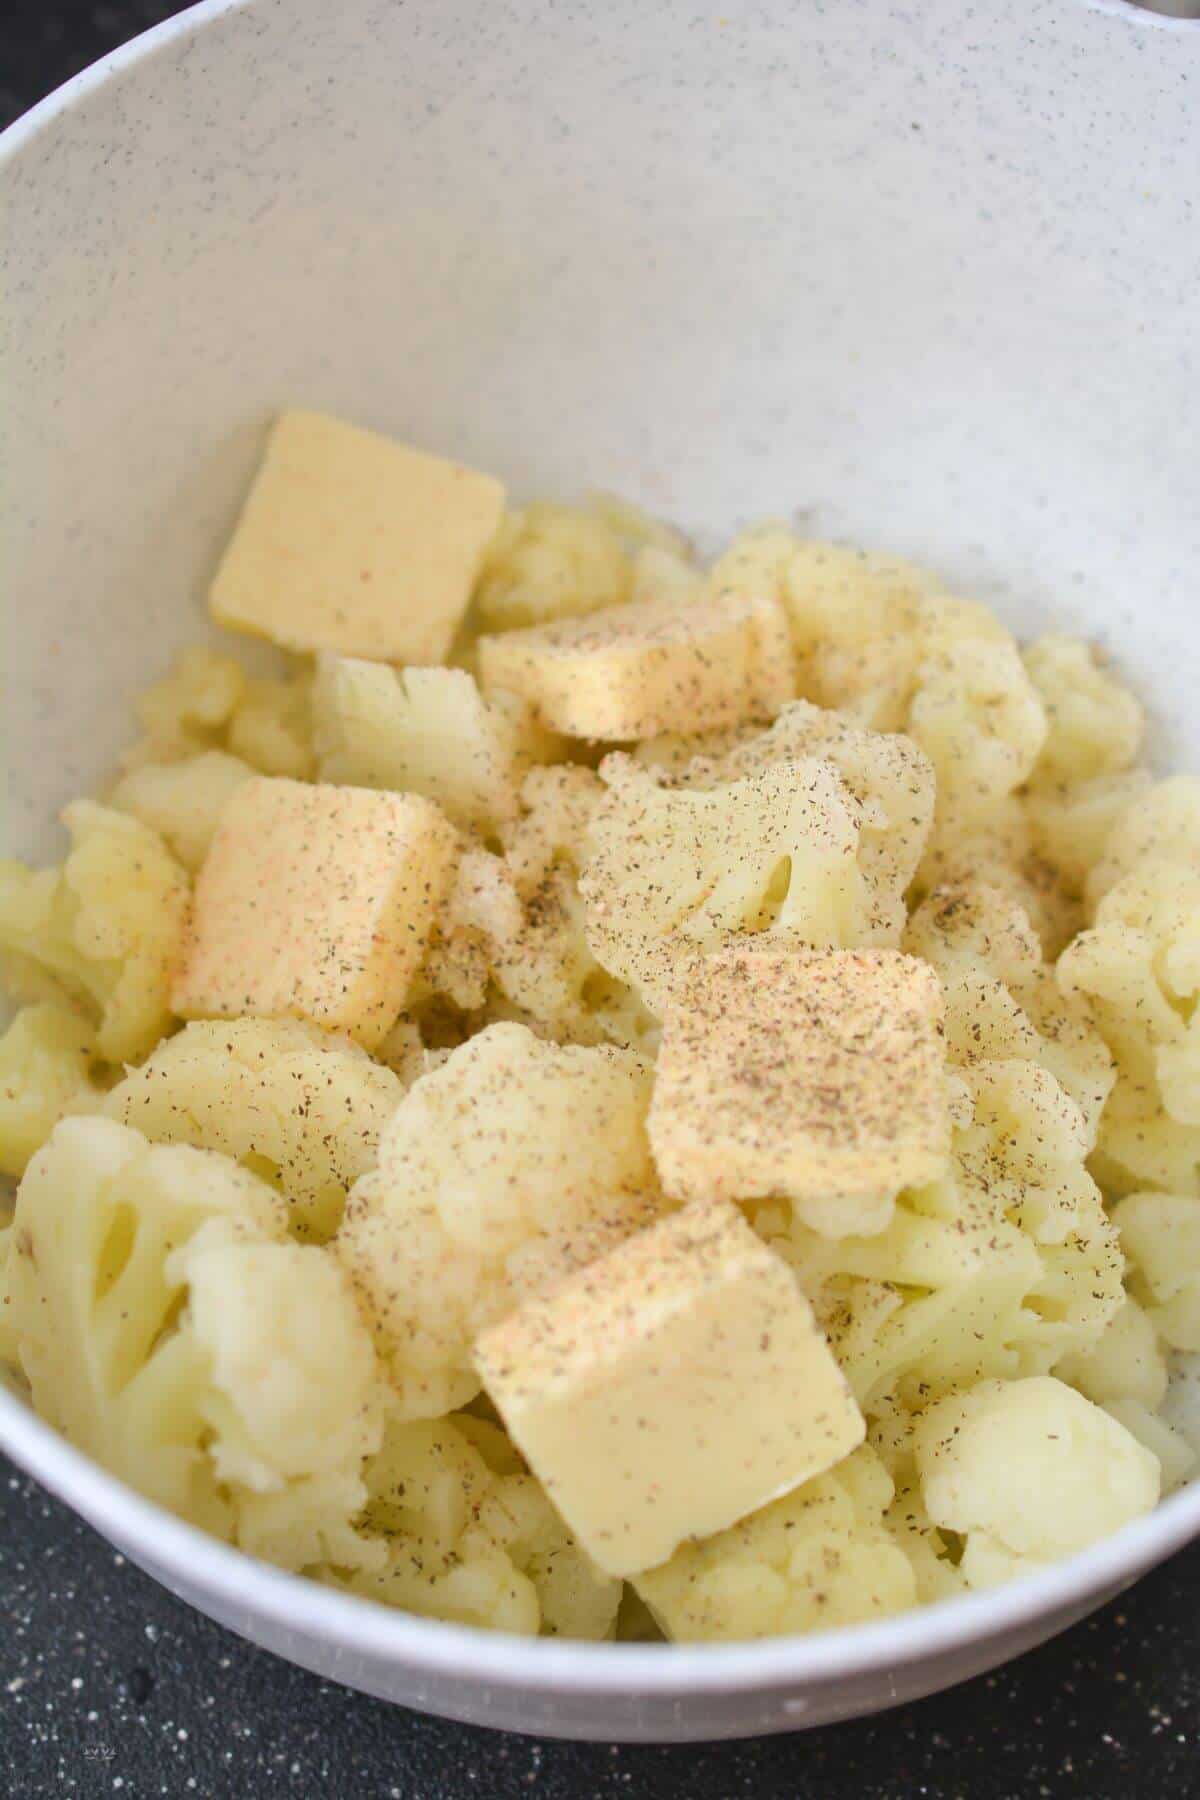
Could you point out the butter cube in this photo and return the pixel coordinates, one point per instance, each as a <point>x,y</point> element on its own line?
<point>315,902</point>
<point>667,663</point>
<point>670,1388</point>
<point>351,542</point>
<point>815,1075</point>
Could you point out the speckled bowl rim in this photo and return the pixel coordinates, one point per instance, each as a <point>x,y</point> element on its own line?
<point>246,1587</point>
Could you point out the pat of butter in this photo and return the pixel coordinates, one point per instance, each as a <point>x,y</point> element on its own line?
<point>669,663</point>
<point>351,542</point>
<point>816,1075</point>
<point>670,1388</point>
<point>315,902</point>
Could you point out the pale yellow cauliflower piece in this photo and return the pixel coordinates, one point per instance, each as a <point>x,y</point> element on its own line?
<point>275,1320</point>
<point>107,926</point>
<point>1126,1362</point>
<point>501,1170</point>
<point>819,1558</point>
<point>9,1349</point>
<point>1139,968</point>
<point>1158,825</point>
<point>999,1269</point>
<point>676,872</point>
<point>854,618</point>
<point>189,709</point>
<point>47,1060</point>
<point>289,1101</point>
<point>551,562</point>
<point>1160,1234</point>
<point>425,731</point>
<point>479,1544</point>
<point>1002,999</point>
<point>1029,1472</point>
<point>168,1330</point>
<point>659,664</point>
<point>819,1077</point>
<point>182,801</point>
<point>888,776</point>
<point>1094,724</point>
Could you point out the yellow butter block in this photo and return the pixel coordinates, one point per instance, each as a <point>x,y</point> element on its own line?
<point>354,543</point>
<point>670,1388</point>
<point>666,663</point>
<point>818,1075</point>
<point>315,902</point>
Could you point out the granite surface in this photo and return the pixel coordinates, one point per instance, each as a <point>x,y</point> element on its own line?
<point>110,1686</point>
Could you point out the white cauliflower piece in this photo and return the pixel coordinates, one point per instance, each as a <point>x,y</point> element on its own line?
<point>1139,968</point>
<point>1161,825</point>
<point>977,716</point>
<point>1029,1471</point>
<point>891,780</point>
<point>106,926</point>
<point>676,872</point>
<point>999,1270</point>
<point>47,1058</point>
<point>425,731</point>
<point>189,709</point>
<point>1094,724</point>
<point>468,1537</point>
<point>551,562</point>
<point>92,1303</point>
<point>271,726</point>
<point>9,1346</point>
<point>294,1387</point>
<point>1002,999</point>
<point>1160,1234</point>
<point>855,618</point>
<point>168,1330</point>
<point>1125,1363</point>
<point>819,1558</point>
<point>292,1102</point>
<point>502,1170</point>
<point>182,801</point>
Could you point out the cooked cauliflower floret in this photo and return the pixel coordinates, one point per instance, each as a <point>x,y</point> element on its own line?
<point>1158,825</point>
<point>551,562</point>
<point>167,1329</point>
<point>468,1540</point>
<point>502,1170</point>
<point>1094,724</point>
<point>1160,1234</point>
<point>275,1320</point>
<point>891,780</point>
<point>286,1099</point>
<point>818,1558</point>
<point>106,926</point>
<point>1126,1361</point>
<point>47,1059</point>
<point>425,731</point>
<point>182,801</point>
<point>676,872</point>
<point>1002,999</point>
<point>1028,1472</point>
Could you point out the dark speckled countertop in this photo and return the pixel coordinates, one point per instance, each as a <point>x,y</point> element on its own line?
<point>108,1686</point>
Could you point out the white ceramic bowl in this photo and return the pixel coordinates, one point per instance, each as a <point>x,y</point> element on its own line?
<point>925,276</point>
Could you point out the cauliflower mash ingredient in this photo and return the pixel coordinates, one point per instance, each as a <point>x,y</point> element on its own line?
<point>669,1388</point>
<point>352,542</point>
<point>501,1171</point>
<point>665,663</point>
<point>816,1076</point>
<point>315,902</point>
